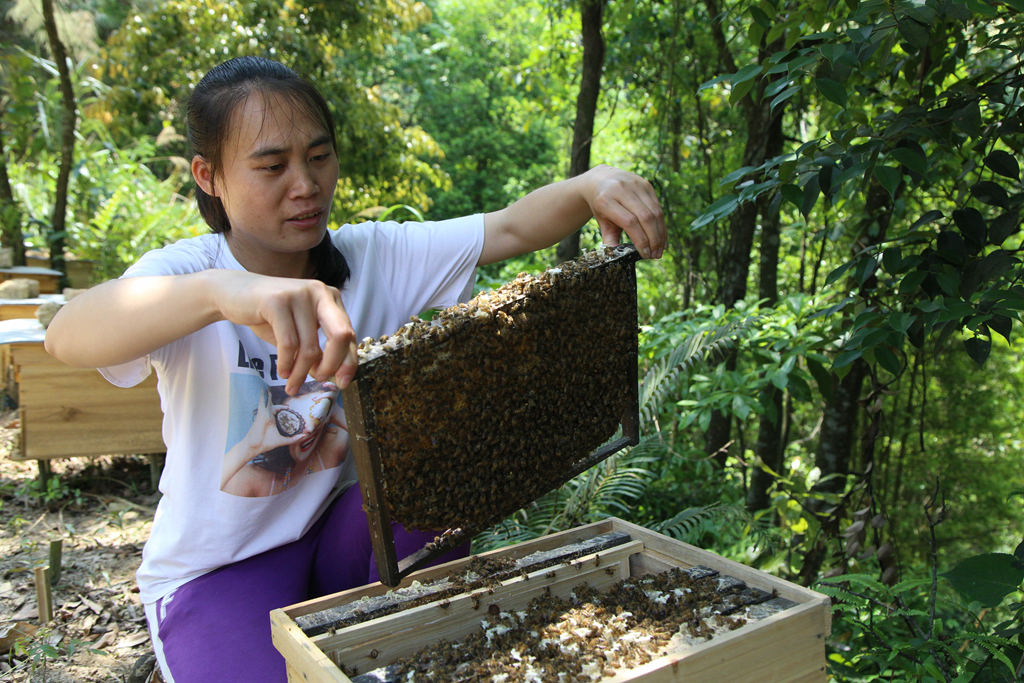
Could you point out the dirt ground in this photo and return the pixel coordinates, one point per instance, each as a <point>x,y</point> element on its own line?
<point>102,510</point>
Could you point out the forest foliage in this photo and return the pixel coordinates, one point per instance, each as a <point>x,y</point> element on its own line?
<point>830,357</point>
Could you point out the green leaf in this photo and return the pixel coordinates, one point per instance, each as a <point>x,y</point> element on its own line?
<point>793,194</point>
<point>891,259</point>
<point>972,225</point>
<point>914,32</point>
<point>839,272</point>
<point>888,360</point>
<point>920,13</point>
<point>825,179</point>
<point>968,119</point>
<point>911,158</point>
<point>832,51</point>
<point>912,281</point>
<point>811,191</point>
<point>978,349</point>
<point>991,193</point>
<point>861,34</point>
<point>784,95</point>
<point>722,207</point>
<point>889,178</point>
<point>1004,226</point>
<point>745,74</point>
<point>1016,4</point>
<point>1003,163</point>
<point>1003,325</point>
<point>986,578</point>
<point>822,376</point>
<point>736,175</point>
<point>788,169</point>
<point>799,63</point>
<point>740,91</point>
<point>777,86</point>
<point>855,171</point>
<point>832,90</point>
<point>982,8</point>
<point>951,247</point>
<point>928,217</point>
<point>713,82</point>
<point>760,17</point>
<point>845,358</point>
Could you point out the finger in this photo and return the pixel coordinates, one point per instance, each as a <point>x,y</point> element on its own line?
<point>280,321</point>
<point>659,235</point>
<point>308,352</point>
<point>645,206</point>
<point>348,367</point>
<point>337,327</point>
<point>626,218</point>
<point>611,234</point>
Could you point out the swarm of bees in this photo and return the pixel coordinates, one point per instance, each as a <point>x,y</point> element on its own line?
<point>586,637</point>
<point>484,409</point>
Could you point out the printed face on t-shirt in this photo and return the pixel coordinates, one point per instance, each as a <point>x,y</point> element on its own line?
<point>274,439</point>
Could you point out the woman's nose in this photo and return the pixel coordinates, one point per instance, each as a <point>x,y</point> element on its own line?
<point>304,184</point>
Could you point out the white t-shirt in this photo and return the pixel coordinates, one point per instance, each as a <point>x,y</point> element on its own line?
<point>249,468</point>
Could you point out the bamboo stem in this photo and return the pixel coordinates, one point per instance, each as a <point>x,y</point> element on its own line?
<point>43,595</point>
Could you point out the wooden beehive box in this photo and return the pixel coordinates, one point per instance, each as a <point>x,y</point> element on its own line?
<point>786,647</point>
<point>66,411</point>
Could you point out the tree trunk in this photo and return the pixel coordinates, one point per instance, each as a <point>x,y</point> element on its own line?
<point>58,228</point>
<point>592,17</point>
<point>10,212</point>
<point>839,428</point>
<point>770,445</point>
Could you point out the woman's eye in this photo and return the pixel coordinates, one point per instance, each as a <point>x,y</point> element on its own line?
<point>272,167</point>
<point>321,157</point>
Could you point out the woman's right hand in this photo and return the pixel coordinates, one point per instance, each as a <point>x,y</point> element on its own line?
<point>288,313</point>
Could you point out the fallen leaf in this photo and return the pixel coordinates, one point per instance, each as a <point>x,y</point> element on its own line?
<point>90,604</point>
<point>132,640</point>
<point>105,640</point>
<point>13,632</point>
<point>30,611</point>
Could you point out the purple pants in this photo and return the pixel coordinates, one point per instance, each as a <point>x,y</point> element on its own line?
<point>217,626</point>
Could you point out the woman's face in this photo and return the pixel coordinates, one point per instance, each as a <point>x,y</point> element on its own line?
<point>276,181</point>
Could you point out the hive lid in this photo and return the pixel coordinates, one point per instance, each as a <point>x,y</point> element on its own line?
<point>459,422</point>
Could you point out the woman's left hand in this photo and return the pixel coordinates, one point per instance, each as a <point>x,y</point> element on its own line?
<point>623,201</point>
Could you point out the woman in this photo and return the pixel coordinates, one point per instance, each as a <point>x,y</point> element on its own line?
<point>269,300</point>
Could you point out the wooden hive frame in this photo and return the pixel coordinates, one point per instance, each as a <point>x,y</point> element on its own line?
<point>786,647</point>
<point>368,450</point>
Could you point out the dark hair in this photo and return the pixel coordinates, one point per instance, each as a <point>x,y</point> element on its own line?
<point>208,116</point>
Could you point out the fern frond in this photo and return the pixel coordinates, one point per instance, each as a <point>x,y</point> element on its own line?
<point>662,376</point>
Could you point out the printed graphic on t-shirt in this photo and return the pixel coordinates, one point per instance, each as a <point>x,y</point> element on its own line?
<point>274,439</point>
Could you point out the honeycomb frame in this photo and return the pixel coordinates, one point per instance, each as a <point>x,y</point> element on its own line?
<point>458,422</point>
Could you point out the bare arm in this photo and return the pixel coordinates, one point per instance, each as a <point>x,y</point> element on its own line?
<point>122,320</point>
<point>620,201</point>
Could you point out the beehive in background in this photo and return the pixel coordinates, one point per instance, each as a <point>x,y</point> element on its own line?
<point>495,402</point>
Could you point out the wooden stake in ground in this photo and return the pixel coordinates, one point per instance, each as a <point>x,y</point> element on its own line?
<point>56,548</point>
<point>43,595</point>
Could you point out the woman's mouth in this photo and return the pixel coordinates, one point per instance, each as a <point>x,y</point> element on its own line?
<point>307,218</point>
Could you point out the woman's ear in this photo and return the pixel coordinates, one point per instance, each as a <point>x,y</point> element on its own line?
<point>203,175</point>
